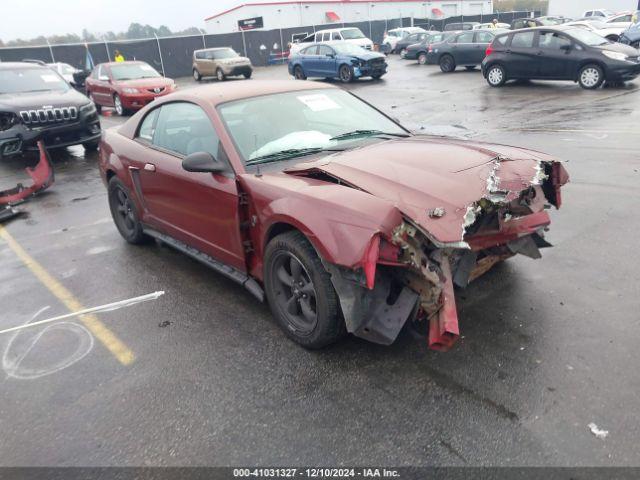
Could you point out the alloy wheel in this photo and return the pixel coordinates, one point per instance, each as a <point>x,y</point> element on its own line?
<point>422,59</point>
<point>124,211</point>
<point>118,105</point>
<point>295,293</point>
<point>345,74</point>
<point>403,53</point>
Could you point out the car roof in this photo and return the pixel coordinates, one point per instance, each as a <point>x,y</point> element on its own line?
<point>212,49</point>
<point>334,30</point>
<point>20,65</point>
<point>216,94</point>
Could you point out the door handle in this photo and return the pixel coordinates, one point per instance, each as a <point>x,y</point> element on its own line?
<point>149,167</point>
<point>540,52</point>
<point>507,51</point>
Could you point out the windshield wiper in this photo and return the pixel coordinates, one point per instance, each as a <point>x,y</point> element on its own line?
<point>366,133</point>
<point>289,153</point>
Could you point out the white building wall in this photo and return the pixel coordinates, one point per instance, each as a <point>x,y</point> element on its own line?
<point>575,8</point>
<point>314,13</point>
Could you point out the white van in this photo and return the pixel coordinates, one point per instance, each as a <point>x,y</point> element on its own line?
<point>348,34</point>
<point>392,37</point>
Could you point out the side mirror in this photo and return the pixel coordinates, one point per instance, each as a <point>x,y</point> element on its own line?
<point>202,162</point>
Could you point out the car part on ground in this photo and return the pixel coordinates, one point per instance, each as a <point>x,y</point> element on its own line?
<point>41,175</point>
<point>559,53</point>
<point>37,104</point>
<point>306,209</point>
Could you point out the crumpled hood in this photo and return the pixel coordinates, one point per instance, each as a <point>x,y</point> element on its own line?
<point>418,174</point>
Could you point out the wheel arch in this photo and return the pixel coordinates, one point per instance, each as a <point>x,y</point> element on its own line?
<point>586,62</point>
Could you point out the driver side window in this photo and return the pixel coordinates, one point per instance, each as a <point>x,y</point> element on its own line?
<point>184,128</point>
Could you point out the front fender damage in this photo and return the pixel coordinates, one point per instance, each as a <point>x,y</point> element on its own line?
<point>407,274</point>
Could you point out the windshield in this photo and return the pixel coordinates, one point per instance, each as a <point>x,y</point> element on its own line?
<point>548,21</point>
<point>599,25</point>
<point>313,120</point>
<point>587,37</point>
<point>31,80</point>
<point>352,34</point>
<point>133,71</point>
<point>348,49</point>
<point>225,53</point>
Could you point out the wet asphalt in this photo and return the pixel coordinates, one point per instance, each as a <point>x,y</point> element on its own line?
<point>547,346</point>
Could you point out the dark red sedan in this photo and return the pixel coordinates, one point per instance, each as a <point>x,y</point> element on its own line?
<point>126,86</point>
<point>310,197</point>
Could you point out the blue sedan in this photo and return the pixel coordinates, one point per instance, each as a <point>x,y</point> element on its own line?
<point>341,60</point>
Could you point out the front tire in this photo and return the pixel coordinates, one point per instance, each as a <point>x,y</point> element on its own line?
<point>220,76</point>
<point>124,212</point>
<point>247,75</point>
<point>447,63</point>
<point>346,74</point>
<point>591,77</point>
<point>496,75</point>
<point>300,293</point>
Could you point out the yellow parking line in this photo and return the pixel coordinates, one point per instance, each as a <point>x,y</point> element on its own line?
<point>119,350</point>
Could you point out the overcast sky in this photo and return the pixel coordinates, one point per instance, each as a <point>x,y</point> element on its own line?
<point>31,18</point>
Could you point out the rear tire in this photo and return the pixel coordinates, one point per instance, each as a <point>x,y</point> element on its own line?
<point>124,212</point>
<point>117,103</point>
<point>298,73</point>
<point>422,58</point>
<point>403,53</point>
<point>247,75</point>
<point>591,77</point>
<point>220,76</point>
<point>196,75</point>
<point>496,75</point>
<point>300,293</point>
<point>447,63</point>
<point>91,146</point>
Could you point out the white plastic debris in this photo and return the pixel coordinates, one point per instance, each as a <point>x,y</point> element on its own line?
<point>599,433</point>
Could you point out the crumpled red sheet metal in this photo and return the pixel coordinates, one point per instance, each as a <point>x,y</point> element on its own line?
<point>42,176</point>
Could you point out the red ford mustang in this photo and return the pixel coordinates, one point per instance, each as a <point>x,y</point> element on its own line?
<point>307,195</point>
<point>126,86</point>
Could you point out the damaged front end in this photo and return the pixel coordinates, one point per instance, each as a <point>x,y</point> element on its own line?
<point>409,275</point>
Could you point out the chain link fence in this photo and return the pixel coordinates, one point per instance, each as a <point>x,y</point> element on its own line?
<point>173,55</point>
